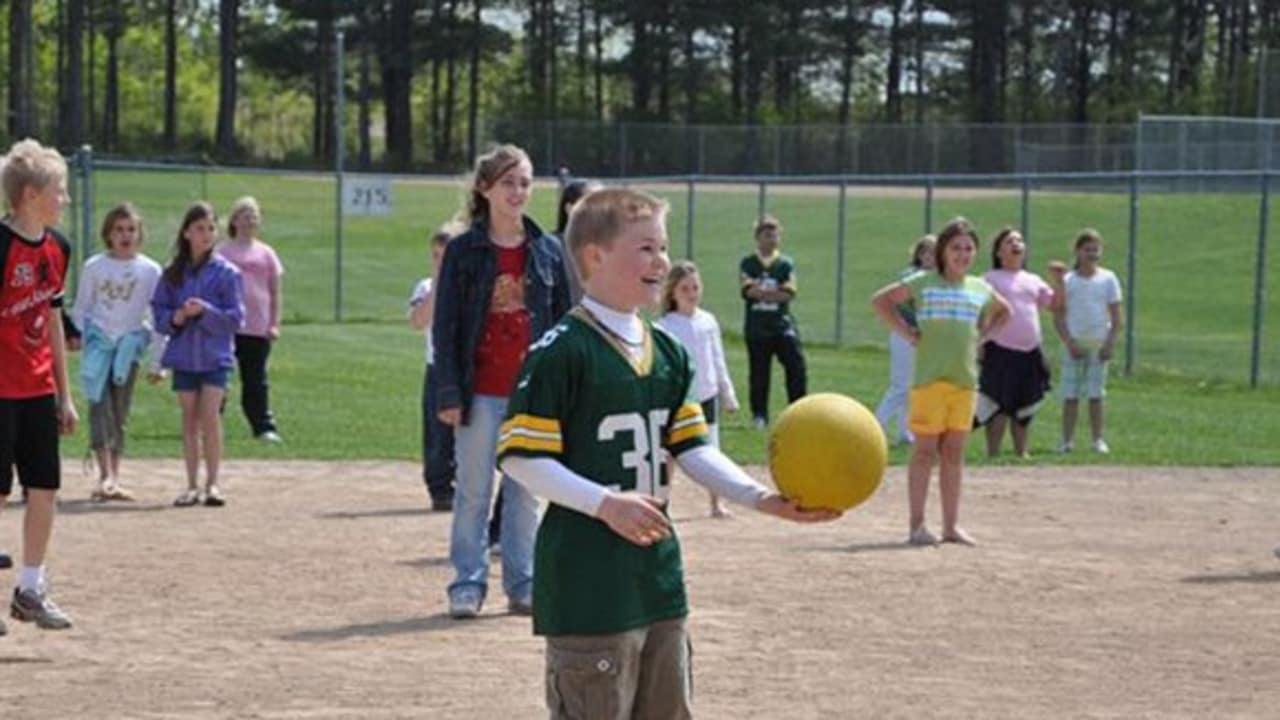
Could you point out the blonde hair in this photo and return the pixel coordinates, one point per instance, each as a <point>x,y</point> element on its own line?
<point>248,202</point>
<point>766,222</point>
<point>29,164</point>
<point>680,270</point>
<point>489,168</point>
<point>600,217</point>
<point>123,211</point>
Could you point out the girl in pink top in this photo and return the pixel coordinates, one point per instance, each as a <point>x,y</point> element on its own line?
<point>1014,377</point>
<point>260,270</point>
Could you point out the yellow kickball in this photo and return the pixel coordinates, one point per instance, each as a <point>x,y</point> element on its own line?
<point>827,451</point>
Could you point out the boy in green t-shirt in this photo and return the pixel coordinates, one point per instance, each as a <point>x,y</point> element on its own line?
<point>955,314</point>
<point>601,402</point>
<point>768,282</point>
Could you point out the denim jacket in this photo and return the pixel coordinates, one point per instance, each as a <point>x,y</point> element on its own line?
<point>205,342</point>
<point>463,292</point>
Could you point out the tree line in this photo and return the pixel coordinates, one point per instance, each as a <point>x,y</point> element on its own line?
<point>242,80</point>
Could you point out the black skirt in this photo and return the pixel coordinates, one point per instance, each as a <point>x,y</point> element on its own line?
<point>1012,382</point>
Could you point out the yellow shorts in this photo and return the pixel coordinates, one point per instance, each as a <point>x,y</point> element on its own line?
<point>940,407</point>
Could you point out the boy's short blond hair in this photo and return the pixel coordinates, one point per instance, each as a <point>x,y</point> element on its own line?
<point>766,222</point>
<point>600,217</point>
<point>29,164</point>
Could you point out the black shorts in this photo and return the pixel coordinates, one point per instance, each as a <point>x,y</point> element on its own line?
<point>29,442</point>
<point>1012,382</point>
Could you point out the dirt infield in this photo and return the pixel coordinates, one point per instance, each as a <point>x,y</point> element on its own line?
<point>318,592</point>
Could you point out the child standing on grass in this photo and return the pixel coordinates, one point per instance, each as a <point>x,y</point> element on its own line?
<point>438,465</point>
<point>260,273</point>
<point>699,332</point>
<point>1014,375</point>
<point>768,282</point>
<point>902,354</point>
<point>35,393</point>
<point>601,401</point>
<point>502,284</point>
<point>198,304</point>
<point>113,311</point>
<point>955,313</point>
<point>1088,322</point>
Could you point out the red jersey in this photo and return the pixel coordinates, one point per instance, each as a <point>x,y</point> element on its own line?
<point>505,337</point>
<point>34,275</point>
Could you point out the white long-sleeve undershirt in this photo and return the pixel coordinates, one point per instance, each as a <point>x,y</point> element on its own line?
<point>549,478</point>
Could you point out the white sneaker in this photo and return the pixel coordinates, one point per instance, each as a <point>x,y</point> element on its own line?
<point>1064,447</point>
<point>921,537</point>
<point>760,423</point>
<point>271,437</point>
<point>1100,447</point>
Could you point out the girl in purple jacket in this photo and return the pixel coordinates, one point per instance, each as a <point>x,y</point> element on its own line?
<point>199,305</point>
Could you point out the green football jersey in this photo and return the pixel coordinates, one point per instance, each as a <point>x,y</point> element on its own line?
<point>585,401</point>
<point>764,320</point>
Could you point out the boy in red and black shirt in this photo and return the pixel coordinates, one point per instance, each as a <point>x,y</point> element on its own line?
<point>35,403</point>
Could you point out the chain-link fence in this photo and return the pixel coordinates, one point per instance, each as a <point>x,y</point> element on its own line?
<point>625,149</point>
<point>1193,261</point>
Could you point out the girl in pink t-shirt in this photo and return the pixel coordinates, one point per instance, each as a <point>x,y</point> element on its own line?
<point>1014,377</point>
<point>260,270</point>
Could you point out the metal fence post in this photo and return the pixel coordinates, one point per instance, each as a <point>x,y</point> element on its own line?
<point>551,145</point>
<point>760,200</point>
<point>928,205</point>
<point>840,239</point>
<point>622,149</point>
<point>1026,208</point>
<point>1259,279</point>
<point>688,222</point>
<point>86,209</point>
<point>337,169</point>
<point>1130,308</point>
<point>702,149</point>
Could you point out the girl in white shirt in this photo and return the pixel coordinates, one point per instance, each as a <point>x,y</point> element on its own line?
<point>1088,322</point>
<point>699,332</point>
<point>113,312</point>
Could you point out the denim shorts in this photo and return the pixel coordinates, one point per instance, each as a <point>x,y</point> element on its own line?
<point>188,381</point>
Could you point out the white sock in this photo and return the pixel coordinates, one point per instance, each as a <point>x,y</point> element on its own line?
<point>31,579</point>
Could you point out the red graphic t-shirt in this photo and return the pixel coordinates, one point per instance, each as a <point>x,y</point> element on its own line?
<point>33,274</point>
<point>506,334</point>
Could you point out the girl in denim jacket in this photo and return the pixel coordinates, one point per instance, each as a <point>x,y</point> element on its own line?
<point>502,285</point>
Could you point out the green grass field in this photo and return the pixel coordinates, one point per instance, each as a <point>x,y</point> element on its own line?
<point>350,390</point>
<point>1194,282</point>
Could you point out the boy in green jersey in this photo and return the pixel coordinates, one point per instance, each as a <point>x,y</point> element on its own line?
<point>768,285</point>
<point>601,402</point>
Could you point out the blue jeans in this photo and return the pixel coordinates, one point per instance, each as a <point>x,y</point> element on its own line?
<point>475,447</point>
<point>437,443</point>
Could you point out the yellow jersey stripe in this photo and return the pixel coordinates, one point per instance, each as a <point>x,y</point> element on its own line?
<point>688,410</point>
<point>532,422</point>
<point>679,435</point>
<point>523,442</point>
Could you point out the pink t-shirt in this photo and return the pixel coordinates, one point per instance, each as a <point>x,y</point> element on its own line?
<point>1027,294</point>
<point>260,271</point>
